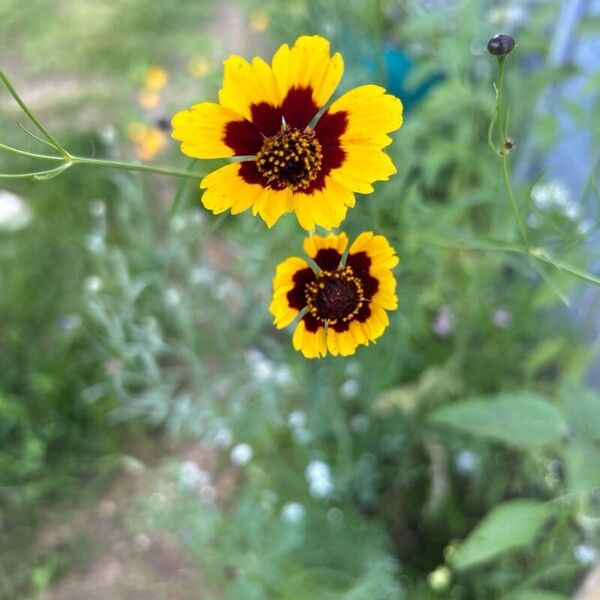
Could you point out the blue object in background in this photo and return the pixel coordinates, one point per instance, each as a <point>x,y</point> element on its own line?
<point>398,66</point>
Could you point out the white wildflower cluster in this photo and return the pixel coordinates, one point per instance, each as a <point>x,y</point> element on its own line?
<point>265,370</point>
<point>466,462</point>
<point>318,475</point>
<point>193,478</point>
<point>293,512</point>
<point>502,318</point>
<point>297,424</point>
<point>241,454</point>
<point>14,211</point>
<point>223,438</point>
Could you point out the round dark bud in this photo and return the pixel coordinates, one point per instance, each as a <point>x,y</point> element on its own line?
<point>501,45</point>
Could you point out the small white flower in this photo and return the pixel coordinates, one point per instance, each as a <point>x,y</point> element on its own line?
<point>502,318</point>
<point>241,454</point>
<point>586,554</point>
<point>191,475</point>
<point>177,223</point>
<point>98,208</point>
<point>283,375</point>
<point>223,438</point>
<point>297,419</point>
<point>350,388</point>
<point>443,324</point>
<point>466,461</point>
<point>293,512</point>
<point>94,243</point>
<point>318,475</point>
<point>202,276</point>
<point>172,296</point>
<point>93,283</point>
<point>141,542</point>
<point>14,212</point>
<point>439,579</point>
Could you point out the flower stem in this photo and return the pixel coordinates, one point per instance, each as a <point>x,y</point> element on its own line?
<point>31,116</point>
<point>502,151</point>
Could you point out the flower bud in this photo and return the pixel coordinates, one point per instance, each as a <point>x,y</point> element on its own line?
<point>501,45</point>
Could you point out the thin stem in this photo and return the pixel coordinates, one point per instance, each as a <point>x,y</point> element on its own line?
<point>502,151</point>
<point>30,154</point>
<point>31,116</point>
<point>125,166</point>
<point>26,175</point>
<point>512,200</point>
<point>35,137</point>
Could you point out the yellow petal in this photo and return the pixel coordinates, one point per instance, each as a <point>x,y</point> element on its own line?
<point>225,190</point>
<point>312,345</point>
<point>245,84</point>
<point>315,243</point>
<point>371,113</point>
<point>201,129</point>
<point>307,64</point>
<point>273,204</point>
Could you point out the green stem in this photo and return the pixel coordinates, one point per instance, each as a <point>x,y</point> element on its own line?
<point>30,154</point>
<point>512,200</point>
<point>502,151</point>
<point>125,166</point>
<point>31,116</point>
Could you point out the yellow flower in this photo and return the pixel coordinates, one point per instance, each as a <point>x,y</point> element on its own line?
<point>288,160</point>
<point>148,99</point>
<point>259,21</point>
<point>198,66</point>
<point>343,304</point>
<point>148,141</point>
<point>155,78</point>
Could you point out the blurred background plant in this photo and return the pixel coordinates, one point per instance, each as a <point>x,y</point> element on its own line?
<point>457,458</point>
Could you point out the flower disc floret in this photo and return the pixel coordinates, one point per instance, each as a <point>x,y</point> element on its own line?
<point>292,158</point>
<point>334,296</point>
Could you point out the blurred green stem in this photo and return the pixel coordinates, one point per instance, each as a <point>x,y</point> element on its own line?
<point>503,148</point>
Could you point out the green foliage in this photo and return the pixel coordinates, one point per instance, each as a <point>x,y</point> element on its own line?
<point>509,525</point>
<point>520,419</point>
<point>438,447</point>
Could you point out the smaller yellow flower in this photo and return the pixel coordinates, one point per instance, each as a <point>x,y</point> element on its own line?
<point>343,304</point>
<point>198,66</point>
<point>259,21</point>
<point>156,78</point>
<point>148,99</point>
<point>148,141</point>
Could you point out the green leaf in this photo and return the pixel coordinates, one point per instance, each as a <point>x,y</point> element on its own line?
<point>538,595</point>
<point>512,524</point>
<point>583,467</point>
<point>582,407</point>
<point>519,419</point>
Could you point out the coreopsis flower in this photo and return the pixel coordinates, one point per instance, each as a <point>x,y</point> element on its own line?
<point>155,78</point>
<point>148,141</point>
<point>342,304</point>
<point>290,157</point>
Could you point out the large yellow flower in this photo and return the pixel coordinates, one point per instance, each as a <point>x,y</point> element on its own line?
<point>343,304</point>
<point>289,158</point>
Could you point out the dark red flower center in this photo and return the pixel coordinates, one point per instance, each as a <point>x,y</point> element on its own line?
<point>335,296</point>
<point>291,158</point>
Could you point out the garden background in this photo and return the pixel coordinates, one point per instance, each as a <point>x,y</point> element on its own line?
<point>159,438</point>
